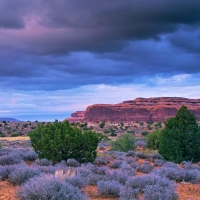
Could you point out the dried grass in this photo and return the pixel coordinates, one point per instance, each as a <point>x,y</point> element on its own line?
<point>15,138</point>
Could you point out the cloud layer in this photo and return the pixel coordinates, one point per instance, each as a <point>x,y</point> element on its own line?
<point>49,46</point>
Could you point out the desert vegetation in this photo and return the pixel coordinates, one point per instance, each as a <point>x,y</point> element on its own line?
<point>124,167</point>
<point>14,129</point>
<point>59,141</point>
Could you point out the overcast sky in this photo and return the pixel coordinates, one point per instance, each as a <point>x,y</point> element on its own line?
<point>59,56</point>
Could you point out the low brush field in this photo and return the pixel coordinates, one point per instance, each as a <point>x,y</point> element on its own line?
<point>114,175</point>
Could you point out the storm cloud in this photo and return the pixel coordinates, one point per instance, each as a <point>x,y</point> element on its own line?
<point>49,45</point>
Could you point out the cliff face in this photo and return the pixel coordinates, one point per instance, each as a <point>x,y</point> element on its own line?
<point>141,109</point>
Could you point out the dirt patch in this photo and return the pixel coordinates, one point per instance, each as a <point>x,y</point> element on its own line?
<point>188,191</point>
<point>15,138</point>
<point>93,194</point>
<point>7,191</point>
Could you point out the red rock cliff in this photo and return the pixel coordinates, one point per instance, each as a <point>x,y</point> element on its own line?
<point>141,109</point>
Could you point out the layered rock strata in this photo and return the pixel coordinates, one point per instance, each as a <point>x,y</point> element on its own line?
<point>140,109</point>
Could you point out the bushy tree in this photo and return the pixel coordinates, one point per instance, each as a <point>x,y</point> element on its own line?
<point>102,124</point>
<point>124,143</point>
<point>60,141</point>
<point>153,140</point>
<point>180,139</point>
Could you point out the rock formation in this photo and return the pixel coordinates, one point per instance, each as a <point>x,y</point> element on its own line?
<point>140,109</point>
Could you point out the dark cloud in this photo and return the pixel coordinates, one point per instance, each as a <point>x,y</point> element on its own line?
<point>92,25</point>
<point>13,14</point>
<point>188,40</point>
<point>51,45</point>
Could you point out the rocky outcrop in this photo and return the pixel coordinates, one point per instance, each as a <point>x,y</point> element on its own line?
<point>140,109</point>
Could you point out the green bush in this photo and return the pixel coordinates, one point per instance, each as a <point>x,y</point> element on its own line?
<point>131,131</point>
<point>124,143</point>
<point>149,127</point>
<point>0,145</point>
<point>113,134</point>
<point>102,124</point>
<point>60,141</point>
<point>145,133</point>
<point>141,123</point>
<point>2,134</point>
<point>158,125</point>
<point>25,125</point>
<point>153,140</point>
<point>106,131</point>
<point>14,135</point>
<point>180,139</point>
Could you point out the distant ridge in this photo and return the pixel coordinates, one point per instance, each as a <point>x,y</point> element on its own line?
<point>139,109</point>
<point>9,119</point>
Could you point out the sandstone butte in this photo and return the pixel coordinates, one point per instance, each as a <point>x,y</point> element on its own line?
<point>140,109</point>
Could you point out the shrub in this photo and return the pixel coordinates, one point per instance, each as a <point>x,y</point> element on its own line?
<point>159,163</point>
<point>102,170</point>
<point>43,162</point>
<point>140,143</point>
<point>0,145</point>
<point>134,164</point>
<point>129,193</point>
<point>171,164</point>
<point>153,140</point>
<point>119,176</point>
<point>10,159</point>
<point>14,135</point>
<point>22,173</point>
<point>158,125</point>
<point>155,156</point>
<point>92,174</point>
<point>141,155</point>
<point>113,134</point>
<point>180,138</point>
<point>157,192</point>
<point>149,183</point>
<point>141,123</point>
<point>5,171</point>
<point>116,164</point>
<point>102,124</point>
<point>60,141</point>
<point>145,168</point>
<point>131,131</point>
<point>189,165</point>
<point>149,127</point>
<point>5,151</point>
<point>2,134</point>
<point>95,178</point>
<point>72,162</point>
<point>77,181</point>
<point>131,153</point>
<point>46,169</point>
<point>29,156</point>
<point>125,143</point>
<point>101,161</point>
<point>145,133</point>
<point>109,187</point>
<point>128,170</point>
<point>49,188</point>
<point>179,175</point>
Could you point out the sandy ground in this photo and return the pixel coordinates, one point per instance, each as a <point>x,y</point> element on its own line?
<point>15,138</point>
<point>7,191</point>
